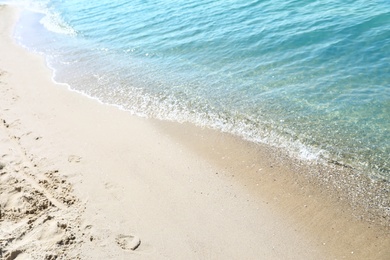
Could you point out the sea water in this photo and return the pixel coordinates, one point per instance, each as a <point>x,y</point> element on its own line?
<point>310,77</point>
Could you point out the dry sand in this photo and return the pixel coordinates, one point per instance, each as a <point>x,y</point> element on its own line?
<point>83,180</point>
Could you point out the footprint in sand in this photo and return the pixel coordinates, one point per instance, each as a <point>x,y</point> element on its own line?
<point>128,242</point>
<point>13,255</point>
<point>109,186</point>
<point>74,159</point>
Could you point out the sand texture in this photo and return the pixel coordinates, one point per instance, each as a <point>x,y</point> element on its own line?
<point>84,180</point>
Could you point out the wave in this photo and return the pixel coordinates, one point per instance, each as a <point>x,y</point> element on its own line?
<point>52,20</point>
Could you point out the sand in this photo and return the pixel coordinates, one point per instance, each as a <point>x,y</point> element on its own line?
<point>84,180</point>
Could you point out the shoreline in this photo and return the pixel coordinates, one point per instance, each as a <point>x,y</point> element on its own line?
<point>129,187</point>
<point>367,199</point>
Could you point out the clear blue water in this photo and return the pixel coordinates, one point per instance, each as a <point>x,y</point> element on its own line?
<point>311,77</point>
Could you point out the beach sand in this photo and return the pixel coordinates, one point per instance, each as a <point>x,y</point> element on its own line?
<point>84,180</point>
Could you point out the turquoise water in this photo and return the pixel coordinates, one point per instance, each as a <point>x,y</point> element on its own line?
<point>311,77</point>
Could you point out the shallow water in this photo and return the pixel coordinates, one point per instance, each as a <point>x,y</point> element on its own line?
<point>312,77</point>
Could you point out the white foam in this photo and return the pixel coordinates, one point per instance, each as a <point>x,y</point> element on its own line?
<point>54,23</point>
<point>51,20</point>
